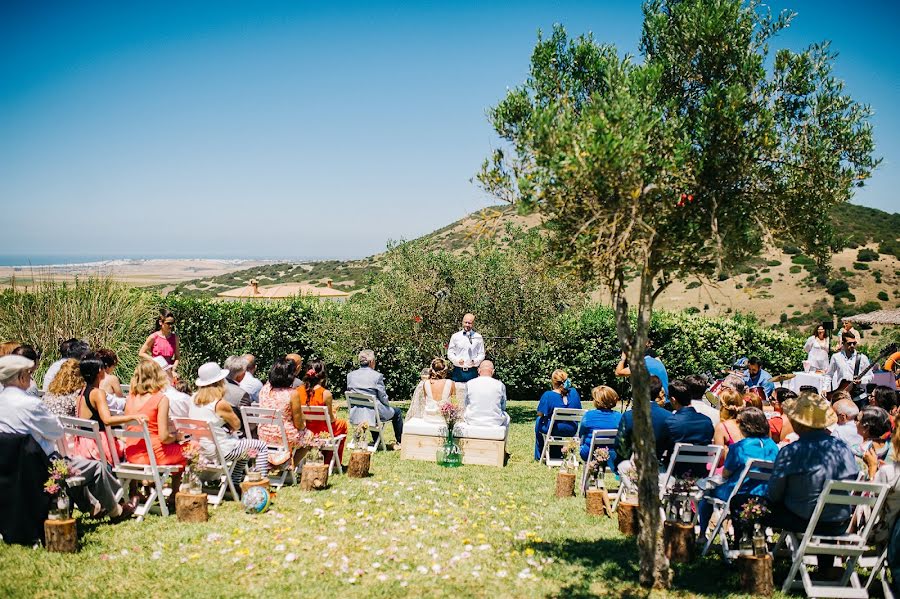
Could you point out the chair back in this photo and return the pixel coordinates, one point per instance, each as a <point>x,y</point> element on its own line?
<point>201,430</point>
<point>565,415</point>
<point>82,427</point>
<point>604,437</point>
<point>363,400</point>
<point>135,430</point>
<point>318,414</point>
<point>686,453</point>
<point>755,470</point>
<point>264,416</point>
<point>858,494</point>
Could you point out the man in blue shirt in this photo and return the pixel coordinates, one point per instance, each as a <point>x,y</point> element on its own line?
<point>624,444</point>
<point>755,376</point>
<point>654,366</point>
<point>685,425</point>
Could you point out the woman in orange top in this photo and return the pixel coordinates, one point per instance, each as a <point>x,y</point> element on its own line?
<point>313,393</point>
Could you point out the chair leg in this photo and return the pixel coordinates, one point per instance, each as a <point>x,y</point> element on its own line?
<point>712,537</point>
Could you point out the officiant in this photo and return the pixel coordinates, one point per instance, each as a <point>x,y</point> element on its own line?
<point>465,351</point>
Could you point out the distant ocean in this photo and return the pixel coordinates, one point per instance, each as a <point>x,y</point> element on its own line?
<point>49,260</point>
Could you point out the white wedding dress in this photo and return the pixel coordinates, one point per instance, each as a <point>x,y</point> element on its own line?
<point>426,407</point>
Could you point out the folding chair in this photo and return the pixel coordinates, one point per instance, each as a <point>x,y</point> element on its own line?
<point>320,414</point>
<point>252,415</point>
<point>685,453</point>
<point>560,415</point>
<point>88,429</point>
<point>849,546</point>
<point>369,402</point>
<point>599,438</point>
<point>754,470</point>
<point>152,473</point>
<point>199,430</point>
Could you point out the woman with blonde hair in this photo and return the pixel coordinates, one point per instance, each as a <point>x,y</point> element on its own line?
<point>602,417</point>
<point>209,404</point>
<point>561,395</point>
<point>432,391</point>
<point>727,431</point>
<point>65,389</point>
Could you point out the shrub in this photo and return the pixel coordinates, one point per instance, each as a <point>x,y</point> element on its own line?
<point>866,255</point>
<point>796,269</point>
<point>791,250</point>
<point>860,266</point>
<point>773,263</point>
<point>693,285</point>
<point>803,260</point>
<point>837,287</point>
<point>883,296</point>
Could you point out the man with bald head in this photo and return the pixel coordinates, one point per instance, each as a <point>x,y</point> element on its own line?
<point>465,351</point>
<point>486,399</point>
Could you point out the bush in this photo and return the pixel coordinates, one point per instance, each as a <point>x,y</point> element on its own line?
<point>860,266</point>
<point>837,286</point>
<point>693,285</point>
<point>883,296</point>
<point>890,247</point>
<point>796,269</point>
<point>773,263</point>
<point>803,260</point>
<point>866,255</point>
<point>791,250</point>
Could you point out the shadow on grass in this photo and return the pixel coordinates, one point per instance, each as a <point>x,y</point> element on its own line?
<point>523,413</point>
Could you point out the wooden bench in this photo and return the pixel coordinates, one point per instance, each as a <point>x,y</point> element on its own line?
<point>423,445</point>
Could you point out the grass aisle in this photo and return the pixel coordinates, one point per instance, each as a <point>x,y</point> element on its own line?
<point>412,528</point>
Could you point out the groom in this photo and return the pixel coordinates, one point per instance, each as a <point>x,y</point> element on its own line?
<point>465,351</point>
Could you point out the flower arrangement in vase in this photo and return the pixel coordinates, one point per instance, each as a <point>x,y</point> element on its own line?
<point>753,539</point>
<point>597,466</point>
<point>570,456</point>
<point>678,500</point>
<point>58,489</point>
<point>450,454</point>
<point>190,482</point>
<point>359,436</point>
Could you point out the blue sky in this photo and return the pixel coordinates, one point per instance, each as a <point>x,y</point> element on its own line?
<point>298,129</point>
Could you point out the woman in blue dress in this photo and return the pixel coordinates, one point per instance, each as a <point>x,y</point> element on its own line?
<point>603,417</point>
<point>560,395</point>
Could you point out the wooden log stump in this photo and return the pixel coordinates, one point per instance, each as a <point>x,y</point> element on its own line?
<point>359,464</point>
<point>565,484</point>
<point>629,524</point>
<point>314,477</point>
<point>597,502</point>
<point>190,507</point>
<point>263,482</point>
<point>61,536</point>
<point>678,542</point>
<point>756,574</point>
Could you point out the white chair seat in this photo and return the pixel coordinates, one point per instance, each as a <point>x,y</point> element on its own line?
<point>474,431</point>
<point>420,426</point>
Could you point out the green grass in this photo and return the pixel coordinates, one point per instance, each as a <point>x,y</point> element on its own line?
<point>412,528</point>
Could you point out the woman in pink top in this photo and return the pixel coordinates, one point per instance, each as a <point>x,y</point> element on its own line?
<point>277,394</point>
<point>162,342</point>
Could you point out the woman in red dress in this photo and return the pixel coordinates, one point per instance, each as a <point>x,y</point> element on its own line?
<point>313,393</point>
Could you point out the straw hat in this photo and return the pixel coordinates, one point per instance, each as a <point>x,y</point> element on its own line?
<point>811,410</point>
<point>209,374</point>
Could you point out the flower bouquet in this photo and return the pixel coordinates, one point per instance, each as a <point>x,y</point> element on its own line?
<point>190,482</point>
<point>678,500</point>
<point>360,459</point>
<point>450,455</point>
<point>597,466</point>
<point>358,441</point>
<point>58,489</point>
<point>754,512</point>
<point>314,475</point>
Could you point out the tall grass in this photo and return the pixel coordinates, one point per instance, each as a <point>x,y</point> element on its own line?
<point>100,311</point>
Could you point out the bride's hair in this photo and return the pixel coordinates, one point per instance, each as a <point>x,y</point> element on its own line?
<point>438,369</point>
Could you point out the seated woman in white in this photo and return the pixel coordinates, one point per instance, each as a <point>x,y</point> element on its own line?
<point>486,399</point>
<point>431,392</point>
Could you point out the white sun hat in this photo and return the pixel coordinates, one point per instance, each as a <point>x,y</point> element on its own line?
<point>210,373</point>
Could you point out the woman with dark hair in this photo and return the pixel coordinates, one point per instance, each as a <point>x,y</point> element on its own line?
<point>886,398</point>
<point>816,348</point>
<point>313,393</point>
<point>779,426</point>
<point>163,341</point>
<point>755,445</point>
<point>279,395</point>
<point>92,405</point>
<point>872,424</point>
<point>561,395</point>
<point>111,384</point>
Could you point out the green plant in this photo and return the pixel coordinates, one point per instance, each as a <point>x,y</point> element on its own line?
<point>773,263</point>
<point>837,287</point>
<point>866,255</point>
<point>883,296</point>
<point>796,269</point>
<point>860,266</point>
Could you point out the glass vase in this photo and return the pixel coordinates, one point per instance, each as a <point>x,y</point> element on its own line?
<point>60,508</point>
<point>760,548</point>
<point>450,455</point>
<point>190,482</point>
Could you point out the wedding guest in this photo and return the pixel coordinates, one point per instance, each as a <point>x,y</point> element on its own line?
<point>163,341</point>
<point>297,360</point>
<point>93,405</point>
<point>685,426</point>
<point>250,383</point>
<point>62,398</point>
<point>234,394</point>
<point>602,417</point>
<point>27,351</point>
<point>110,384</point>
<point>279,395</point>
<point>366,379</point>
<point>886,473</point>
<point>179,401</point>
<point>779,425</point>
<point>432,390</point>
<point>846,327</point>
<point>846,427</point>
<point>314,393</point>
<point>655,367</point>
<point>624,446</point>
<point>209,404</point>
<point>728,432</point>
<point>697,386</point>
<point>7,347</point>
<point>561,395</point>
<point>71,349</point>
<point>485,403</point>
<point>885,398</point>
<point>872,424</point>
<point>816,348</point>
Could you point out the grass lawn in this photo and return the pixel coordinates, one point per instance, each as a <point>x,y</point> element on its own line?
<point>412,528</point>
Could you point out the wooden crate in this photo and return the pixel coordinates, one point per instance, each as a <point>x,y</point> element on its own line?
<point>482,452</point>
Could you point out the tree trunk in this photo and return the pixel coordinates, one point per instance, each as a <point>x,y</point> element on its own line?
<point>359,464</point>
<point>191,508</point>
<point>679,542</point>
<point>61,535</point>
<point>654,566</point>
<point>756,574</point>
<point>597,502</point>
<point>627,514</point>
<point>314,477</point>
<point>565,484</point>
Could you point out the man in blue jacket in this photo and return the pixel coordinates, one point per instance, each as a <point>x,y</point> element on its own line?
<point>686,425</point>
<point>624,445</point>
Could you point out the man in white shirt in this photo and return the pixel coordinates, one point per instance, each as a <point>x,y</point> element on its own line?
<point>697,386</point>
<point>845,429</point>
<point>486,399</point>
<point>465,351</point>
<point>847,365</point>
<point>179,403</point>
<point>250,383</point>
<point>26,415</point>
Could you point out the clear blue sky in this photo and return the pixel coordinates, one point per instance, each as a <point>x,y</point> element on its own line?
<point>304,129</point>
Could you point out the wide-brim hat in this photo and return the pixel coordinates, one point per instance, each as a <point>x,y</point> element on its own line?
<point>209,374</point>
<point>810,410</point>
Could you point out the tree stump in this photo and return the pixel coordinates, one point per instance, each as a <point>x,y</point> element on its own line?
<point>359,464</point>
<point>565,484</point>
<point>264,483</point>
<point>597,502</point>
<point>756,574</point>
<point>61,536</point>
<point>314,477</point>
<point>190,507</point>
<point>678,542</point>
<point>629,524</point>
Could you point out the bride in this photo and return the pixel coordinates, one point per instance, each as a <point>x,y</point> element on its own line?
<point>432,391</point>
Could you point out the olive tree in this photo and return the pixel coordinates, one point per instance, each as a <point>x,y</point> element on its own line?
<point>680,164</point>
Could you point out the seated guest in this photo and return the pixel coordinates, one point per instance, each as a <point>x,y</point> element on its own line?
<point>756,445</point>
<point>887,473</point>
<point>624,445</point>
<point>111,384</point>
<point>234,394</point>
<point>209,404</point>
<point>885,398</point>
<point>602,417</point>
<point>278,394</point>
<point>728,432</point>
<point>73,349</point>
<point>93,405</point>
<point>560,395</point>
<point>62,398</point>
<point>250,383</point>
<point>846,429</point>
<point>366,379</point>
<point>433,389</point>
<point>24,414</point>
<point>314,393</point>
<point>873,423</point>
<point>685,426</point>
<point>755,376</point>
<point>779,426</point>
<point>179,402</point>
<point>146,399</point>
<point>297,359</point>
<point>803,468</point>
<point>485,403</point>
<point>697,386</point>
<point>27,351</point>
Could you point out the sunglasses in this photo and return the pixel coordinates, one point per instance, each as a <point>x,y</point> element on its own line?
<point>850,343</point>
<point>171,323</point>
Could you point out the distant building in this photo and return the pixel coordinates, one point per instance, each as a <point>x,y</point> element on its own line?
<point>284,291</point>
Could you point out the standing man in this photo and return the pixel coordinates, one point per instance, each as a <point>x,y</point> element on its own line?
<point>654,366</point>
<point>366,379</point>
<point>465,351</point>
<point>846,365</point>
<point>250,383</point>
<point>846,327</point>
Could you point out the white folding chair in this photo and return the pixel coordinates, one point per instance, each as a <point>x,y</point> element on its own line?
<point>850,547</point>
<point>152,472</point>
<point>754,470</point>
<point>369,402</point>
<point>560,415</point>
<point>320,414</point>
<point>695,455</point>
<point>605,437</point>
<point>88,429</point>
<point>251,415</point>
<point>199,431</point>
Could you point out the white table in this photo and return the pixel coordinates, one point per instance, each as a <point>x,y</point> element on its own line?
<point>821,382</point>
